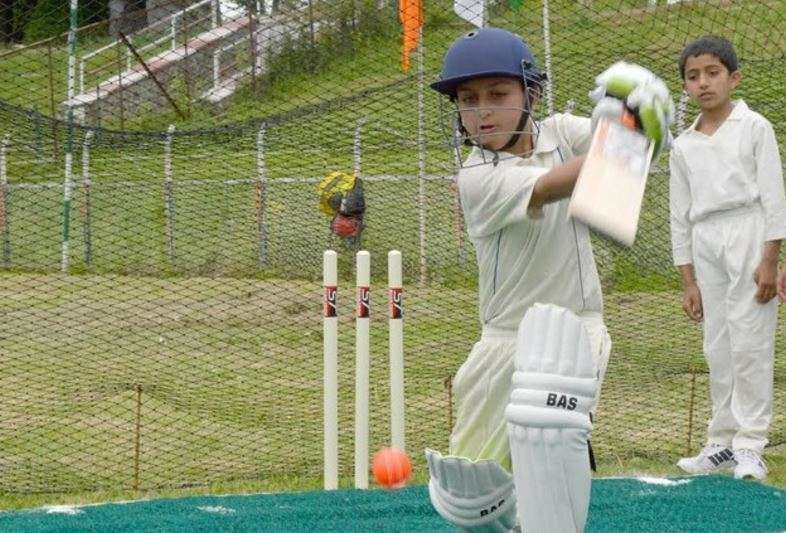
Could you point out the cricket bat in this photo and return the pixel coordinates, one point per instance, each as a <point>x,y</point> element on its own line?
<point>610,187</point>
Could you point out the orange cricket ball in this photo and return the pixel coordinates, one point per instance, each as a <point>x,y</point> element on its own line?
<point>392,468</point>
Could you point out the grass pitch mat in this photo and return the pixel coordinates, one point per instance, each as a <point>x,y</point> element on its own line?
<point>703,503</point>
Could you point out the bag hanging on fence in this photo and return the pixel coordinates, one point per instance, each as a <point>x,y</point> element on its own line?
<point>341,197</point>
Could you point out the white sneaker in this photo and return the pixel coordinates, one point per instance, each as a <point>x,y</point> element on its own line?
<point>749,465</point>
<point>712,458</point>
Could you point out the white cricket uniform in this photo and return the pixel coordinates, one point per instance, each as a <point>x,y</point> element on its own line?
<point>726,200</point>
<point>523,258</point>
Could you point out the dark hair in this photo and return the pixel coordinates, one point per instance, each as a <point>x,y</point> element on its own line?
<point>710,44</point>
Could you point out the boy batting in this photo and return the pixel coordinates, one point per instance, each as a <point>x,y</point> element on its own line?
<point>518,450</point>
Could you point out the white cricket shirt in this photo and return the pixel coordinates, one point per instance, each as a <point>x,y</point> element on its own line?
<point>524,259</point>
<point>737,166</point>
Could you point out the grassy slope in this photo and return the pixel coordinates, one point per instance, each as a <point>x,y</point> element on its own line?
<point>583,42</point>
<point>322,140</point>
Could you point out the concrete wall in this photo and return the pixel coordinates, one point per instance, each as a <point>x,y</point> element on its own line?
<point>126,16</point>
<point>158,9</point>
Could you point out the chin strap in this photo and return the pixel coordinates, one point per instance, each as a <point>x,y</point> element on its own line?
<point>519,129</point>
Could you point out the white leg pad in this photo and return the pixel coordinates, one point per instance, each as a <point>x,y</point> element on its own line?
<point>475,496</point>
<point>554,387</point>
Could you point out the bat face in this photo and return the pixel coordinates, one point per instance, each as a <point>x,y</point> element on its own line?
<point>610,188</point>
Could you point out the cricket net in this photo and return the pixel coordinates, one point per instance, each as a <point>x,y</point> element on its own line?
<point>161,240</point>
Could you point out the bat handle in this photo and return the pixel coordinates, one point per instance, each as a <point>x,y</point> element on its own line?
<point>628,119</point>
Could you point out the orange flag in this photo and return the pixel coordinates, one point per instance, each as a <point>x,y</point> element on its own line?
<point>410,13</point>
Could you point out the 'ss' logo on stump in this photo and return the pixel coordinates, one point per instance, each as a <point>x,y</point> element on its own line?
<point>329,308</point>
<point>364,302</point>
<point>396,303</point>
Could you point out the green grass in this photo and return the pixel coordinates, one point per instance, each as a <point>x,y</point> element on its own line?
<point>228,374</point>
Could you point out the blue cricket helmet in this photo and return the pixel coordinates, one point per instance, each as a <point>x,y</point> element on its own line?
<point>487,52</point>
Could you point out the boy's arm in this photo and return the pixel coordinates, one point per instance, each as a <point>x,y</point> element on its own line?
<point>555,184</point>
<point>679,207</point>
<point>769,177</point>
<point>682,250</point>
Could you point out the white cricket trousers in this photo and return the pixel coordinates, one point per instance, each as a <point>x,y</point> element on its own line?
<point>482,387</point>
<point>739,332</point>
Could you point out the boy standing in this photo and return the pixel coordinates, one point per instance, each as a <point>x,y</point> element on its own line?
<point>728,216</point>
<point>532,415</point>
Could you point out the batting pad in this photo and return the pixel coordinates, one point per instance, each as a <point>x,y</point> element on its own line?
<point>553,390</point>
<point>475,496</point>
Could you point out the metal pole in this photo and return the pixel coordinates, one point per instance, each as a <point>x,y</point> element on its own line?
<point>252,46</point>
<point>52,109</point>
<point>217,52</point>
<point>312,38</point>
<point>87,184</point>
<point>122,90</point>
<point>68,179</point>
<point>173,44</point>
<point>458,218</point>
<point>547,54</point>
<point>169,202</point>
<point>39,134</point>
<point>186,61</point>
<point>691,408</point>
<point>82,75</point>
<point>358,146</point>
<point>262,196</point>
<point>422,160</point>
<point>5,218</point>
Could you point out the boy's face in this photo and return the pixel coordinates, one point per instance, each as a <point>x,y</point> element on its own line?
<point>490,110</point>
<point>709,82</point>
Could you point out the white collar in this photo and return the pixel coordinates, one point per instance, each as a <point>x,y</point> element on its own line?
<point>737,113</point>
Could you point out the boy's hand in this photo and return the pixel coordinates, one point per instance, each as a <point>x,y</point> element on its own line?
<point>765,277</point>
<point>627,85</point>
<point>691,302</point>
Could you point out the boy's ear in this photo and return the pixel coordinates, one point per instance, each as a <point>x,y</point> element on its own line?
<point>735,78</point>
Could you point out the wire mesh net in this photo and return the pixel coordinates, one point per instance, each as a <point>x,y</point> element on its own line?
<point>160,286</point>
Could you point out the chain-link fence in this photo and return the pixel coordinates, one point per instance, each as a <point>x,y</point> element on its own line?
<point>160,297</point>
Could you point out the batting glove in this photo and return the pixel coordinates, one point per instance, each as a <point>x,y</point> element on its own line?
<point>625,85</point>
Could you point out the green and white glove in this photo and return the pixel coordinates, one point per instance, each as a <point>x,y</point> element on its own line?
<point>625,85</point>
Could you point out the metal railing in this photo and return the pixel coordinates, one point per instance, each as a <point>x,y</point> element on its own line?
<point>173,24</point>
